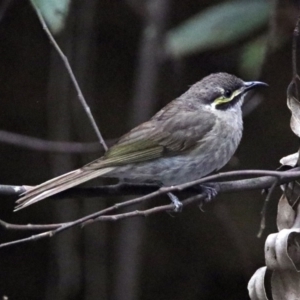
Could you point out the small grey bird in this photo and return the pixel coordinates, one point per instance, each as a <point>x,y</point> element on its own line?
<point>192,136</point>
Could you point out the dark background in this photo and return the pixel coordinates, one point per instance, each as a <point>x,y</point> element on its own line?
<point>192,255</point>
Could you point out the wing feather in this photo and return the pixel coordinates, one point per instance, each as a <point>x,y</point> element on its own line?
<point>169,132</point>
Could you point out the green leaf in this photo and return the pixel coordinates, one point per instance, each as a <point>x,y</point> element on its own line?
<point>54,12</point>
<point>252,57</point>
<point>217,26</point>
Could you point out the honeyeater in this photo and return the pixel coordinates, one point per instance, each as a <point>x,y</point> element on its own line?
<point>192,136</point>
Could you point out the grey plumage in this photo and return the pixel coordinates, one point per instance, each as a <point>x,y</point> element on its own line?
<point>192,136</point>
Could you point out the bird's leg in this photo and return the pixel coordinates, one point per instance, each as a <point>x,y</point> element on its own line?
<point>177,203</point>
<point>174,199</point>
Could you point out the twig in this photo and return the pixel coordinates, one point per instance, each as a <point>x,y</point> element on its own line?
<point>72,76</point>
<point>44,145</point>
<point>29,239</point>
<point>264,209</point>
<point>91,219</point>
<point>29,227</point>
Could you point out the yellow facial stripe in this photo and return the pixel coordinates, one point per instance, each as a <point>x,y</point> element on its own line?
<point>223,99</point>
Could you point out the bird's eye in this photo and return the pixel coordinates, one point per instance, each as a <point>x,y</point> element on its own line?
<point>227,93</point>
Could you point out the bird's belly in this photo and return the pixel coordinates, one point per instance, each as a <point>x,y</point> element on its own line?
<point>206,158</point>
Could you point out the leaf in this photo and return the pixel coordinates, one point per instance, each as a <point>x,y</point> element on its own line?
<point>285,285</point>
<point>252,57</point>
<point>256,286</point>
<point>294,106</point>
<point>54,12</point>
<point>285,215</point>
<point>217,26</point>
<point>292,195</point>
<point>279,284</point>
<point>282,250</point>
<point>290,160</point>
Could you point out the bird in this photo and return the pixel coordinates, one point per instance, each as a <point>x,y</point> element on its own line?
<point>191,137</point>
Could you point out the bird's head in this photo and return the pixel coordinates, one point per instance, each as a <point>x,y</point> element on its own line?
<point>222,91</point>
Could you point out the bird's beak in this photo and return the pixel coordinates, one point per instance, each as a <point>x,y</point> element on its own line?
<point>249,85</point>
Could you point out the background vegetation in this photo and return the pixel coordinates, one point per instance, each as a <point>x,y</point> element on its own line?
<point>131,58</point>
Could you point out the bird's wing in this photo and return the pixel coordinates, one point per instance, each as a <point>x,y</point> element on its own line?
<point>167,133</point>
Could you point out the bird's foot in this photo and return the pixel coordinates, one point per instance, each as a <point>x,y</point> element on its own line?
<point>209,191</point>
<point>177,203</point>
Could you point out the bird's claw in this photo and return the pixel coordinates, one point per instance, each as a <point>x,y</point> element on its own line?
<point>210,193</point>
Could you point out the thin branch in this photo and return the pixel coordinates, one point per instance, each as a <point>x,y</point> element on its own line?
<point>264,209</point>
<point>44,145</point>
<point>264,180</point>
<point>91,219</point>
<point>72,76</point>
<point>29,227</point>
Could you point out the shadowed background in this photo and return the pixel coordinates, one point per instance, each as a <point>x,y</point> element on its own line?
<point>126,76</point>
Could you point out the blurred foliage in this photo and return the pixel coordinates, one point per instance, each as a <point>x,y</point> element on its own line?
<point>220,26</point>
<point>252,57</point>
<point>55,12</point>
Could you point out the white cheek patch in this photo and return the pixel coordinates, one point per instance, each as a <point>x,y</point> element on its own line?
<point>212,106</point>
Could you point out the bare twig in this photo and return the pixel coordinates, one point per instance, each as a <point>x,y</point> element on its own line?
<point>91,219</point>
<point>44,145</point>
<point>264,209</point>
<point>72,76</point>
<point>29,227</point>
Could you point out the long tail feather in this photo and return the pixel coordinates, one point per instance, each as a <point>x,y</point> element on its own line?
<point>58,184</point>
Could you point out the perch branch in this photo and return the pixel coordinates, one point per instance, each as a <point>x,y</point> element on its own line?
<point>262,180</point>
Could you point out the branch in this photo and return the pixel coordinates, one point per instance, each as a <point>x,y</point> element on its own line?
<point>57,228</point>
<point>72,76</point>
<point>33,143</point>
<point>265,180</point>
<point>265,206</point>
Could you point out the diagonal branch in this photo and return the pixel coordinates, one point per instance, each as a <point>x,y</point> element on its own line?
<point>72,76</point>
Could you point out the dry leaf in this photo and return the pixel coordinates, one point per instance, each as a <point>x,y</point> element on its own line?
<point>285,285</point>
<point>294,106</point>
<point>290,160</point>
<point>285,214</point>
<point>256,285</point>
<point>282,251</point>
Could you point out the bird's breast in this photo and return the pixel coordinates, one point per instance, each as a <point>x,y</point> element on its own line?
<point>210,154</point>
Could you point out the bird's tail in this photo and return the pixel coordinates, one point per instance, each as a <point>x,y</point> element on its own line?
<point>57,185</point>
